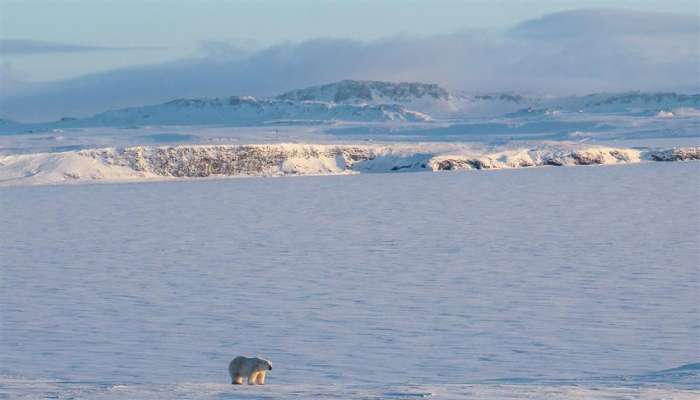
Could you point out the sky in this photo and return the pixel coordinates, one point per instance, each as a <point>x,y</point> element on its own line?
<point>133,32</point>
<point>79,57</point>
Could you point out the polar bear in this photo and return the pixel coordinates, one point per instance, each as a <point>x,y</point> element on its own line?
<point>252,368</point>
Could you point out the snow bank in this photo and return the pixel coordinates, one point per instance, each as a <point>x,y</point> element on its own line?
<point>45,168</point>
<point>144,162</point>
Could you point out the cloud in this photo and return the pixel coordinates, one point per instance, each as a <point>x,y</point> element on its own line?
<point>222,50</point>
<point>605,23</point>
<point>12,47</point>
<point>565,53</point>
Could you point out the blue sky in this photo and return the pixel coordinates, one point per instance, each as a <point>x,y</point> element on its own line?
<point>159,30</point>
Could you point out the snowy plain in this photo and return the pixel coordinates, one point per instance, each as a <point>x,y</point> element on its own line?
<point>522,280</point>
<point>532,283</point>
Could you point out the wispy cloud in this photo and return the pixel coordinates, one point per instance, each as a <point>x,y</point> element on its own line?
<point>572,52</point>
<point>27,47</point>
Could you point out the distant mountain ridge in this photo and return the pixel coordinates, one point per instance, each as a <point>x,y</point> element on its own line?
<point>368,101</point>
<point>435,100</point>
<point>639,98</point>
<point>243,110</point>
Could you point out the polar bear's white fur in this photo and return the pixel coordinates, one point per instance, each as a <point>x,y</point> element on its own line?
<point>252,368</point>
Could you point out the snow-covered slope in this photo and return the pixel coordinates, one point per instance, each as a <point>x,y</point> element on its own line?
<point>628,102</point>
<point>230,111</point>
<point>143,163</point>
<point>662,105</point>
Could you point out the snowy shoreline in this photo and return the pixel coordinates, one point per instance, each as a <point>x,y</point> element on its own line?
<point>148,163</point>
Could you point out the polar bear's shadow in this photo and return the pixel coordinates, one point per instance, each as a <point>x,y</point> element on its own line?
<point>254,394</point>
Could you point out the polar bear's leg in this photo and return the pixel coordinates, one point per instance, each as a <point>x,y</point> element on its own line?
<point>252,377</point>
<point>237,380</point>
<point>260,380</point>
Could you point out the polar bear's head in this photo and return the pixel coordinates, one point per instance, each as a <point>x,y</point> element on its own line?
<point>264,365</point>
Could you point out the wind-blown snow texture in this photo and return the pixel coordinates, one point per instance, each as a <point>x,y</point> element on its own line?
<point>142,163</point>
<point>549,283</point>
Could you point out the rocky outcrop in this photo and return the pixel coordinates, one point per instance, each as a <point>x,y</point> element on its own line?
<point>677,154</point>
<point>255,160</point>
<point>536,157</point>
<point>144,162</point>
<point>353,92</point>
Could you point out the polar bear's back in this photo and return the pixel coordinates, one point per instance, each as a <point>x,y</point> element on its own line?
<point>235,366</point>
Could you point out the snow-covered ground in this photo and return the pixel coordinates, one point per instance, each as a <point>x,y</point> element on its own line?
<point>34,389</point>
<point>543,283</point>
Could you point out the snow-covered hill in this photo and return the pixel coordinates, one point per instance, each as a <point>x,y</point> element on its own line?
<point>230,111</point>
<point>251,111</point>
<point>148,163</point>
